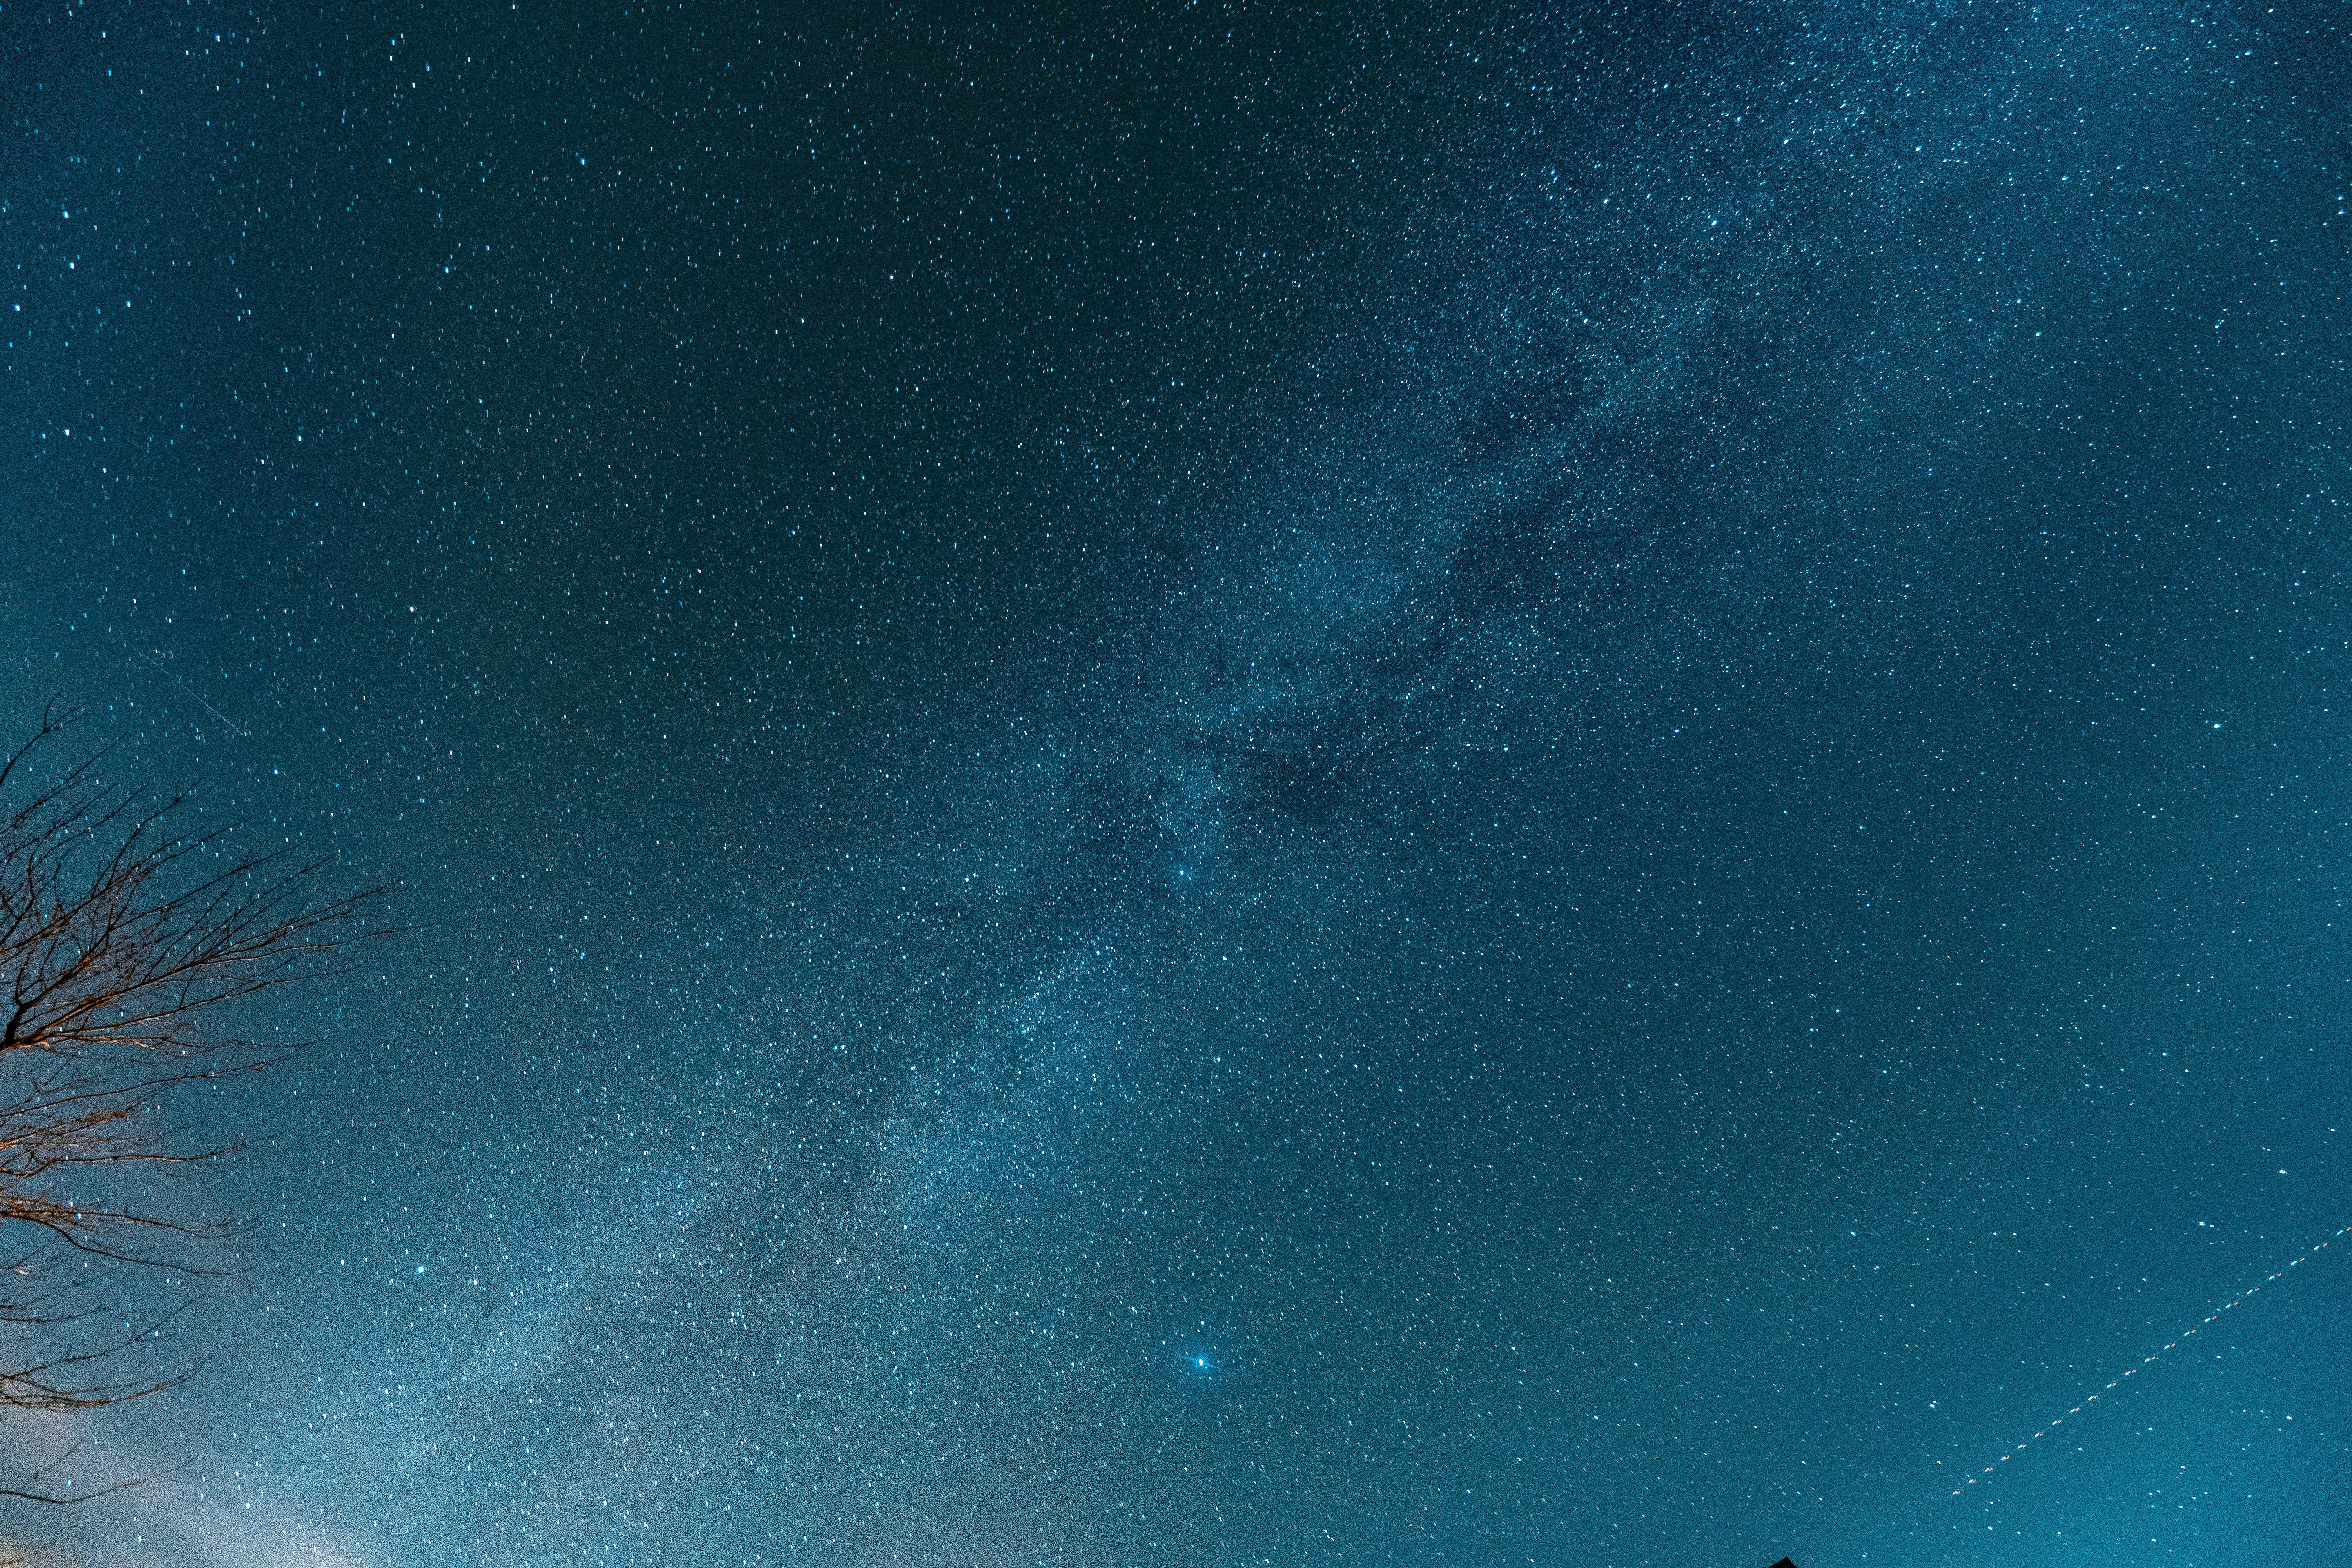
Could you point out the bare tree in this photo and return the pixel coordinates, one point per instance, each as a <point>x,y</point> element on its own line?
<point>126,939</point>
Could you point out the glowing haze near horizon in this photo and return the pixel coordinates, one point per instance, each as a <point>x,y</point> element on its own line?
<point>1224,786</point>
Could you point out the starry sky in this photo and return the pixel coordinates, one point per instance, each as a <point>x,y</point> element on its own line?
<point>1222,784</point>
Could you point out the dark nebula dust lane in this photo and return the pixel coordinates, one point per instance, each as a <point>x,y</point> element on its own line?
<point>1226,785</point>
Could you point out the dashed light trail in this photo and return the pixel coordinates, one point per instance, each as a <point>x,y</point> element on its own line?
<point>2214,1316</point>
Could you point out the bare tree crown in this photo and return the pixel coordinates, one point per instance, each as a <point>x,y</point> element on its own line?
<point>123,937</point>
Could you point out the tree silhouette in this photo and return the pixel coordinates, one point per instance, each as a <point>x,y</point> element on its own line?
<point>127,938</point>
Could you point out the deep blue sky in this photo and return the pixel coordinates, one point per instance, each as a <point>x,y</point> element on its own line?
<point>1227,785</point>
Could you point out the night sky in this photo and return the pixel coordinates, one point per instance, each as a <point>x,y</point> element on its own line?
<point>1210,784</point>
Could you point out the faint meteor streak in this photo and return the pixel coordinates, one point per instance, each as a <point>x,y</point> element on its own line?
<point>192,692</point>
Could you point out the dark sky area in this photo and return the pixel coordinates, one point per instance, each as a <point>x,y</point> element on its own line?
<point>1219,784</point>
